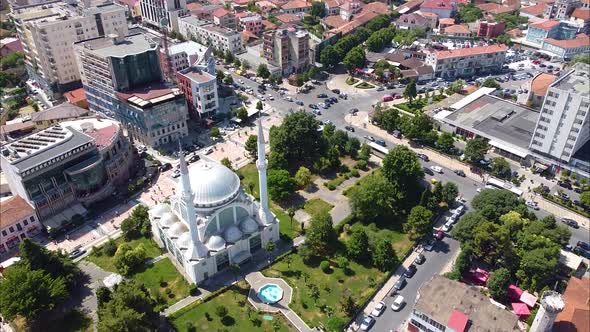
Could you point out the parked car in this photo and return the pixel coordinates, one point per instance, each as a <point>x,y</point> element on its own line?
<point>387,98</point>
<point>165,167</point>
<point>439,235</point>
<point>193,158</point>
<point>367,323</point>
<point>397,134</point>
<point>447,226</point>
<point>565,184</point>
<point>354,111</point>
<point>532,205</point>
<point>459,210</point>
<point>176,173</point>
<point>422,156</point>
<point>578,190</point>
<point>570,222</point>
<point>398,303</point>
<point>77,253</point>
<point>400,284</point>
<point>380,88</point>
<point>381,142</point>
<point>420,259</point>
<point>428,171</point>
<point>379,308</point>
<point>437,169</point>
<point>313,106</point>
<point>429,244</point>
<point>410,271</point>
<point>370,138</point>
<point>336,91</point>
<point>299,102</point>
<point>208,151</point>
<point>349,128</point>
<point>583,245</point>
<point>316,112</point>
<point>459,172</point>
<point>322,95</point>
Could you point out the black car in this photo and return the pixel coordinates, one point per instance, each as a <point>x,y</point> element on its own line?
<point>313,106</point>
<point>322,95</point>
<point>165,167</point>
<point>410,271</point>
<point>459,172</point>
<point>428,171</point>
<point>354,111</point>
<point>400,284</point>
<point>578,190</point>
<point>570,222</point>
<point>422,156</point>
<point>333,100</point>
<point>565,184</point>
<point>580,251</point>
<point>381,142</point>
<point>336,91</point>
<point>349,128</point>
<point>583,245</point>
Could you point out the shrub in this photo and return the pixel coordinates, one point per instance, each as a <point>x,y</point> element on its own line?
<point>355,173</point>
<point>190,327</point>
<point>96,251</point>
<point>221,311</point>
<point>109,248</point>
<point>361,164</point>
<point>325,266</point>
<point>168,291</point>
<point>194,291</point>
<point>331,186</point>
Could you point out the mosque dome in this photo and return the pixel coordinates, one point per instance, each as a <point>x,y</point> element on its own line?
<point>158,210</point>
<point>216,243</point>
<point>177,229</point>
<point>248,226</point>
<point>184,240</point>
<point>212,184</point>
<point>232,234</point>
<point>168,219</point>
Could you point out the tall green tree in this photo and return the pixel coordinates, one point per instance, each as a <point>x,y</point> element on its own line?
<point>280,184</point>
<point>498,284</point>
<point>411,92</point>
<point>321,236</point>
<point>475,149</point>
<point>298,139</point>
<point>490,240</point>
<point>375,198</point>
<point>129,258</point>
<point>318,9</point>
<point>355,58</point>
<point>501,168</point>
<point>357,245</point>
<point>417,128</point>
<point>463,230</point>
<point>251,146</point>
<point>468,13</point>
<point>449,193</point>
<point>445,142</point>
<point>418,224</point>
<point>402,167</point>
<point>330,56</point>
<point>303,177</point>
<point>57,264</point>
<point>384,257</point>
<point>262,71</point>
<point>492,203</point>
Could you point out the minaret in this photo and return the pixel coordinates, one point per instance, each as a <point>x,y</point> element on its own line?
<point>265,214</point>
<point>551,305</point>
<point>187,208</point>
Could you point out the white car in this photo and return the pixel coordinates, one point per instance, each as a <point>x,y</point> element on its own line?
<point>271,98</point>
<point>367,323</point>
<point>447,226</point>
<point>532,205</point>
<point>379,308</point>
<point>398,303</point>
<point>208,150</point>
<point>459,211</point>
<point>437,169</point>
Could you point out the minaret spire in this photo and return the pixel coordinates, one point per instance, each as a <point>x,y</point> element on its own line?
<point>261,164</point>
<point>185,184</point>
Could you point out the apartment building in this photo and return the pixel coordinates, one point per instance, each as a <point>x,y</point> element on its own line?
<point>466,62</point>
<point>560,9</point>
<point>66,165</point>
<point>122,79</point>
<point>19,221</point>
<point>563,127</point>
<point>287,49</point>
<point>187,54</point>
<point>487,29</point>
<point>48,33</point>
<point>200,91</point>
<point>207,33</point>
<point>554,29</point>
<point>442,8</point>
<point>152,12</point>
<point>567,49</point>
<point>225,19</point>
<point>251,23</point>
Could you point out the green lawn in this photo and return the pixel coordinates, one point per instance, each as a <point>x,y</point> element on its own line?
<point>164,271</point>
<point>392,231</point>
<point>108,263</point>
<point>365,85</point>
<point>239,311</point>
<point>351,80</point>
<point>316,205</point>
<point>361,282</point>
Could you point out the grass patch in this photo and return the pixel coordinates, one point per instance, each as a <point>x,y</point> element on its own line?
<point>361,281</point>
<point>286,228</point>
<point>365,85</point>
<point>108,262</point>
<point>390,230</point>
<point>163,275</point>
<point>241,315</point>
<point>351,80</point>
<point>316,205</point>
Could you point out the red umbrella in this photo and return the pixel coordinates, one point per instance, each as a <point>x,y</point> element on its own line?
<point>520,309</point>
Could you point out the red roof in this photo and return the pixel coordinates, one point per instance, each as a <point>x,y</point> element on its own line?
<point>13,210</point>
<point>103,136</point>
<point>458,321</point>
<point>520,309</point>
<point>461,52</point>
<point>581,40</point>
<point>457,28</point>
<point>437,4</point>
<point>544,25</point>
<point>575,316</point>
<point>535,10</point>
<point>14,46</point>
<point>293,4</point>
<point>146,92</point>
<point>583,14</point>
<point>75,96</point>
<point>220,12</point>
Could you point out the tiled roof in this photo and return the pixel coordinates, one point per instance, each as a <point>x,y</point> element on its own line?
<point>268,25</point>
<point>495,9</point>
<point>583,14</point>
<point>334,21</point>
<point>581,40</point>
<point>356,22</point>
<point>462,52</point>
<point>14,210</point>
<point>293,4</point>
<point>412,18</point>
<point>457,29</point>
<point>514,32</point>
<point>193,6</point>
<point>437,4</point>
<point>535,10</point>
<point>446,21</point>
<point>14,46</point>
<point>62,111</point>
<point>103,136</point>
<point>332,3</point>
<point>75,96</point>
<point>544,25</point>
<point>288,18</point>
<point>541,82</point>
<point>376,7</point>
<point>220,12</point>
<point>428,15</point>
<point>575,316</point>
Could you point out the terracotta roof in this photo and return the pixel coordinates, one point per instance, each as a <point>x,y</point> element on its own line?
<point>535,10</point>
<point>247,35</point>
<point>75,96</point>
<point>14,210</point>
<point>410,5</point>
<point>294,4</point>
<point>437,4</point>
<point>541,82</point>
<point>14,45</point>
<point>358,21</point>
<point>146,92</point>
<point>243,14</point>
<point>412,19</point>
<point>220,12</point>
<point>428,14</point>
<point>581,40</point>
<point>446,21</point>
<point>241,2</point>
<point>544,25</point>
<point>332,3</point>
<point>583,14</point>
<point>268,25</point>
<point>410,73</point>
<point>461,52</point>
<point>193,6</point>
<point>288,18</point>
<point>334,21</point>
<point>103,136</point>
<point>424,70</point>
<point>376,7</point>
<point>412,63</point>
<point>514,32</point>
<point>457,29</point>
<point>575,316</point>
<point>7,129</point>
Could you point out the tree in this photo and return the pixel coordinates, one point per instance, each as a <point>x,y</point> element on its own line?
<point>410,92</point>
<point>221,311</point>
<point>476,149</point>
<point>131,308</point>
<point>280,184</point>
<point>379,22</point>
<point>318,9</point>
<point>355,58</point>
<point>237,63</point>
<point>220,76</point>
<point>492,203</point>
<point>455,87</point>
<point>501,168</point>
<point>510,20</point>
<point>365,152</point>
<point>352,147</point>
<point>504,39</point>
<point>228,57</point>
<point>303,177</point>
<point>251,146</point>
<point>384,257</point>
<point>128,258</point>
<point>445,142</point>
<point>262,71</point>
<point>291,214</point>
<point>321,236</point>
<point>28,293</point>
<point>227,163</point>
<point>537,267</point>
<point>468,13</point>
<point>490,240</point>
<point>583,58</point>
<point>449,192</point>
<point>498,284</point>
<point>418,224</point>
<point>417,128</point>
<point>463,261</point>
<point>329,56</point>
<point>463,230</point>
<point>585,198</point>
<point>357,245</point>
<point>491,83</point>
<point>402,167</point>
<point>313,292</point>
<point>347,304</point>
<point>245,65</point>
<point>215,133</point>
<point>374,198</point>
<point>228,80</point>
<point>379,39</point>
<point>298,139</point>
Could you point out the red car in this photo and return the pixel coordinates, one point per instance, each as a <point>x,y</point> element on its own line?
<point>439,235</point>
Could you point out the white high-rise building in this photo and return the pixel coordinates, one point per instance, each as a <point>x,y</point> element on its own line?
<point>48,32</point>
<point>563,126</point>
<point>152,12</point>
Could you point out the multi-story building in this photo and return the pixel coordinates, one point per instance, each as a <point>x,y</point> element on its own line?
<point>487,29</point>
<point>447,305</point>
<point>122,79</point>
<point>56,169</point>
<point>554,29</point>
<point>567,49</point>
<point>133,8</point>
<point>19,221</point>
<point>287,49</point>
<point>187,54</point>
<point>296,6</point>
<point>580,19</point>
<point>225,19</point>
<point>560,9</point>
<point>152,12</point>
<point>442,8</point>
<point>563,126</point>
<point>206,33</point>
<point>467,61</point>
<point>48,32</point>
<point>251,23</point>
<point>457,31</point>
<point>200,90</point>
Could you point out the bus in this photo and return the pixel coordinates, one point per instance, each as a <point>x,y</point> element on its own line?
<point>503,185</point>
<point>378,150</point>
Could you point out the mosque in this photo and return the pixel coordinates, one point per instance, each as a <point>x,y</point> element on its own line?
<point>212,222</point>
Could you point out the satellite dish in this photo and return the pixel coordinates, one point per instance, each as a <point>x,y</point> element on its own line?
<point>164,22</point>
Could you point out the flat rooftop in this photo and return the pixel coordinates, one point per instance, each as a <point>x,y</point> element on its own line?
<point>119,47</point>
<point>496,119</point>
<point>197,75</point>
<point>442,298</point>
<point>149,95</point>
<point>577,80</point>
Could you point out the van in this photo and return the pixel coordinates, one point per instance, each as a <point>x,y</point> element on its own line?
<point>387,98</point>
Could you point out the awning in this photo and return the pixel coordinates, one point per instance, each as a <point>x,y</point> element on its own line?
<point>528,298</point>
<point>65,215</point>
<point>514,292</point>
<point>520,309</point>
<point>240,257</point>
<point>512,149</point>
<point>540,166</point>
<point>570,259</point>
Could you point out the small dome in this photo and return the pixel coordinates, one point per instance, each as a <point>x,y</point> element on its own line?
<point>177,229</point>
<point>197,251</point>
<point>184,240</point>
<point>168,219</point>
<point>158,210</point>
<point>216,243</point>
<point>232,234</point>
<point>213,184</point>
<point>248,226</point>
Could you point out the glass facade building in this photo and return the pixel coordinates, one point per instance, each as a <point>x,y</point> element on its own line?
<point>136,70</point>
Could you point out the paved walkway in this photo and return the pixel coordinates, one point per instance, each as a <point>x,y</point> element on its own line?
<point>155,260</point>
<point>257,280</point>
<point>183,303</point>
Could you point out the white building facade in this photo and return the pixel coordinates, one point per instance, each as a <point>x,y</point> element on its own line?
<point>207,33</point>
<point>212,223</point>
<point>152,12</point>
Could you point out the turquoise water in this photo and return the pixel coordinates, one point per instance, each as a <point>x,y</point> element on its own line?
<point>270,293</point>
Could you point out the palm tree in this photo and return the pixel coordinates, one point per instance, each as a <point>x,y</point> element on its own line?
<point>291,213</point>
<point>270,247</point>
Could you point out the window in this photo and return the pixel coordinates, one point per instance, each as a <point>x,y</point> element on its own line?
<point>25,222</point>
<point>19,227</point>
<point>4,233</point>
<point>11,229</point>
